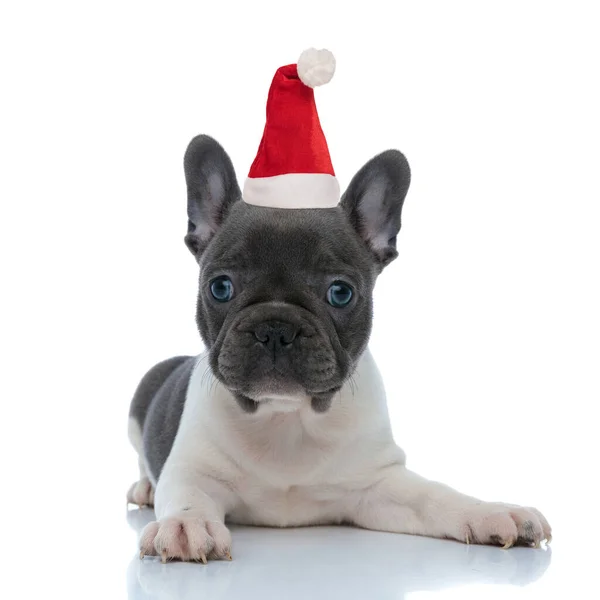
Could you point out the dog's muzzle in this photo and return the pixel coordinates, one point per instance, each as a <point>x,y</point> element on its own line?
<point>276,348</point>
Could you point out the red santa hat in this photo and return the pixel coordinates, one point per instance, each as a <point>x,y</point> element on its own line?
<point>292,168</point>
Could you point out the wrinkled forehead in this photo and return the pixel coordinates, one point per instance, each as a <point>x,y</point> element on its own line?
<point>317,241</point>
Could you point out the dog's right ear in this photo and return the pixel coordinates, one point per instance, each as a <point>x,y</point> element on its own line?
<point>212,188</point>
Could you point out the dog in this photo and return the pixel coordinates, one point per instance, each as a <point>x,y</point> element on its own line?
<point>283,421</point>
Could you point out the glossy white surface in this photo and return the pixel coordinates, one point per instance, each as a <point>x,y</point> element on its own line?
<point>335,562</point>
<point>343,562</point>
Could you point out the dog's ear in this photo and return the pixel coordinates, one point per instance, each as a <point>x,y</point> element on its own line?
<point>212,188</point>
<point>373,203</point>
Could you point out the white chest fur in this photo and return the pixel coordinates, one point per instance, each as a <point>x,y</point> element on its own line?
<point>286,464</point>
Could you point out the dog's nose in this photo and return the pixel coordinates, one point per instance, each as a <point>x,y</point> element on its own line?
<point>276,334</point>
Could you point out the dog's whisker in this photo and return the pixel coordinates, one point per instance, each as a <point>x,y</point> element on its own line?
<point>214,382</point>
<point>206,372</point>
<point>352,383</point>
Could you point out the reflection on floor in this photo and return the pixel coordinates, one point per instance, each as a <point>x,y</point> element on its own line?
<point>332,562</point>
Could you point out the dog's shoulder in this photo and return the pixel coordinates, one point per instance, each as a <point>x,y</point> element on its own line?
<point>158,403</point>
<point>151,382</point>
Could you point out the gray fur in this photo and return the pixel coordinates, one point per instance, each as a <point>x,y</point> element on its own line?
<point>374,200</point>
<point>149,385</point>
<point>159,402</point>
<point>211,188</point>
<point>281,263</point>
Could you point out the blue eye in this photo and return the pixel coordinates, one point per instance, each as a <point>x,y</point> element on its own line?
<point>222,289</point>
<point>339,294</point>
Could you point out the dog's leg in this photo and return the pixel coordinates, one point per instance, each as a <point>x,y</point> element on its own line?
<point>141,492</point>
<point>190,508</point>
<point>404,502</point>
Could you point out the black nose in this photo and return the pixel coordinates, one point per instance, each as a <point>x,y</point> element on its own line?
<point>276,334</point>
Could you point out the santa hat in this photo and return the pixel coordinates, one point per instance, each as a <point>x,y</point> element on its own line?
<point>292,168</point>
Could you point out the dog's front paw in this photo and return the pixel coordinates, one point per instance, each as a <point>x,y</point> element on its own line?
<point>504,525</point>
<point>186,538</point>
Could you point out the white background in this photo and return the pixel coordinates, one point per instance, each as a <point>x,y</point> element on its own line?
<point>486,327</point>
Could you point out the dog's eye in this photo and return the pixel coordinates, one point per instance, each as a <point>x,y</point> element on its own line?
<point>339,294</point>
<point>222,289</point>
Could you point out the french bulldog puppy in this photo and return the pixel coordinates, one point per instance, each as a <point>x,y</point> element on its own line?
<point>283,420</point>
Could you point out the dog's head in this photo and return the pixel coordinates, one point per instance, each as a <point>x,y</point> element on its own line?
<point>285,297</point>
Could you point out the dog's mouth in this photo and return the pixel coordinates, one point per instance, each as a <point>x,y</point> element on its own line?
<point>278,354</point>
<point>319,402</point>
<point>282,381</point>
<point>264,385</point>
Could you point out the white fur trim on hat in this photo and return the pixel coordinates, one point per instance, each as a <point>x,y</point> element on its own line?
<point>293,190</point>
<point>316,67</point>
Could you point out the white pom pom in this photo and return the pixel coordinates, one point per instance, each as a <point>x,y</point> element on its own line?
<point>316,67</point>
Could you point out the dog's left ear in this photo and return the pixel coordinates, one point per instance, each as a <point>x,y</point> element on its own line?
<point>373,203</point>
